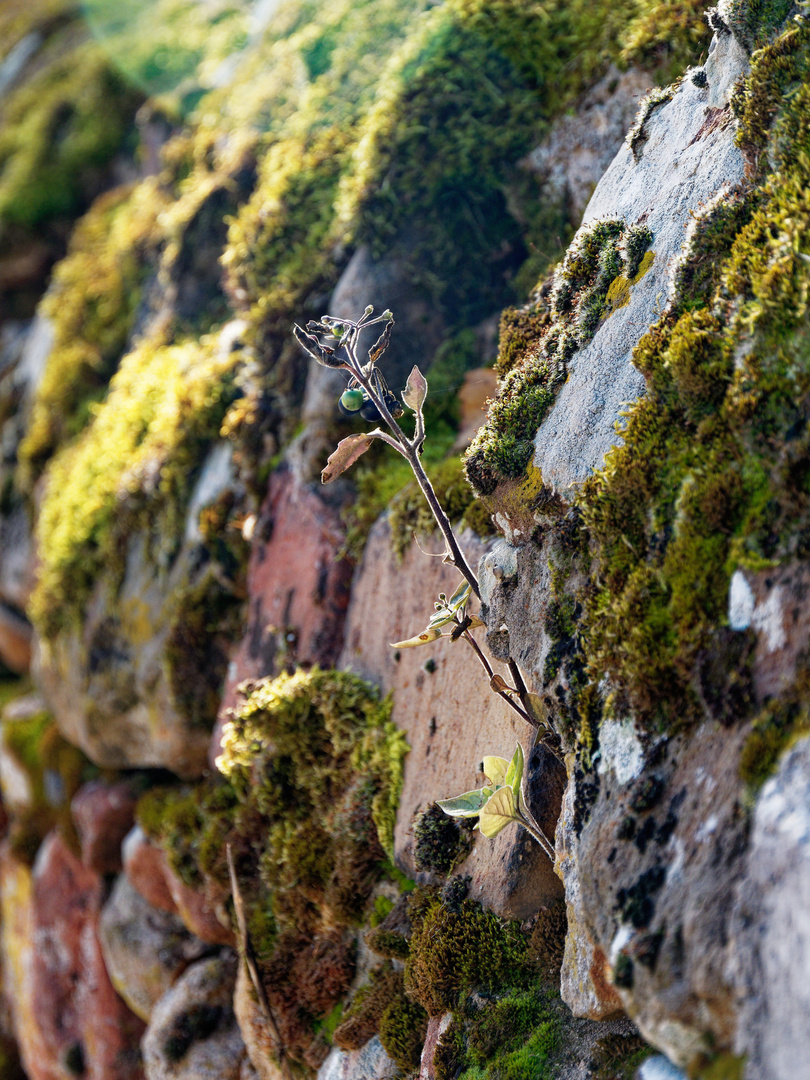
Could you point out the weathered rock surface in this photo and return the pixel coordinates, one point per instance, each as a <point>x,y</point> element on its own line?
<point>581,145</point>
<point>66,1012</point>
<point>769,955</point>
<point>192,1033</point>
<point>689,155</point>
<point>145,950</point>
<point>369,1063</point>
<point>298,588</point>
<point>103,814</point>
<point>450,716</point>
<point>146,870</point>
<point>107,682</point>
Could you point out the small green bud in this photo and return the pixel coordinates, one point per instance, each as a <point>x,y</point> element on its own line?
<point>352,400</point>
<point>388,314</point>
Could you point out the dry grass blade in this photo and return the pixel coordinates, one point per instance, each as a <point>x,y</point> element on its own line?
<point>252,967</point>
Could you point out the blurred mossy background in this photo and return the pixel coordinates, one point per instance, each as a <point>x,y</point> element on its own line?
<point>169,166</point>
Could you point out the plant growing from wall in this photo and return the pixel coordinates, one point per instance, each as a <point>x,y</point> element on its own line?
<point>500,802</point>
<point>333,343</point>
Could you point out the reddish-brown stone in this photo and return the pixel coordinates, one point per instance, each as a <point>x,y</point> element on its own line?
<point>145,866</point>
<point>198,911</point>
<point>103,814</point>
<point>79,1015</point>
<point>298,588</point>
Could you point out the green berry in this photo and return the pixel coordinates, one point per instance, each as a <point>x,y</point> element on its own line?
<point>352,400</point>
<point>337,331</point>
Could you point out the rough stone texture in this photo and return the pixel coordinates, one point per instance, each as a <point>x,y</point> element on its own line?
<point>671,922</point>
<point>770,955</point>
<point>62,1001</point>
<point>203,915</point>
<point>17,561</point>
<point>581,145</point>
<point>688,157</point>
<point>585,974</point>
<point>256,1034</point>
<point>437,1025</point>
<point>450,717</point>
<point>298,588</point>
<point>192,1033</point>
<point>145,949</point>
<point>103,815</point>
<point>145,867</point>
<point>106,682</point>
<point>369,1063</point>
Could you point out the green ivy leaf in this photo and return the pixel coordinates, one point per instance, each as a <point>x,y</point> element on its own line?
<point>467,805</point>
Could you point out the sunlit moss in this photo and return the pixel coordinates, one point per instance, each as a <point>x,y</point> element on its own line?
<point>135,459</point>
<point>312,772</point>
<point>58,128</point>
<point>91,305</point>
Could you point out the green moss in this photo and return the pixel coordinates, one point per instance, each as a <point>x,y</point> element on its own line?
<point>753,21</point>
<point>439,841</point>
<point>132,466</point>
<point>774,730</point>
<point>617,1057</point>
<point>460,949</point>
<point>403,1027</point>
<point>91,305</point>
<point>58,128</point>
<point>361,1020</point>
<point>666,37</point>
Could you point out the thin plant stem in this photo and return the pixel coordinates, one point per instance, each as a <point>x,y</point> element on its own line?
<point>501,693</point>
<point>410,449</point>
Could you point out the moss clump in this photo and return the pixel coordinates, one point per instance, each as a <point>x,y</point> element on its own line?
<point>566,315</point>
<point>59,129</point>
<point>440,842</point>
<point>617,1057</point>
<point>774,730</point>
<point>132,467</point>
<point>455,951</point>
<point>91,305</point>
<point>637,135</point>
<point>361,1020</point>
<point>666,37</point>
<point>312,768</point>
<point>403,1027</point>
<point>753,21</point>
